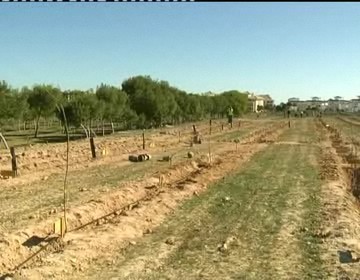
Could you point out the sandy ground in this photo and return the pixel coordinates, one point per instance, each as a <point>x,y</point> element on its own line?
<point>108,221</point>
<point>341,212</point>
<point>12,242</point>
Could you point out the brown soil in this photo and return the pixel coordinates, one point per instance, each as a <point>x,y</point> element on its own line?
<point>39,161</point>
<point>341,214</point>
<point>154,203</point>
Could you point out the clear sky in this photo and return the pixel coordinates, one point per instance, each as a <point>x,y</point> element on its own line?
<point>282,49</point>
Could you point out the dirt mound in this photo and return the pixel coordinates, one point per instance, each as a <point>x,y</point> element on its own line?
<point>39,160</point>
<point>347,154</point>
<point>341,214</point>
<point>98,211</point>
<point>355,182</point>
<point>264,135</point>
<point>329,168</point>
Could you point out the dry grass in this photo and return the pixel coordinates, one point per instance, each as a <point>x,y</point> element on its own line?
<point>261,222</point>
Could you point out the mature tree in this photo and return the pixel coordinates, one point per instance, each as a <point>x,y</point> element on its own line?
<point>181,100</point>
<point>115,101</point>
<point>131,119</point>
<point>155,100</point>
<point>237,100</point>
<point>141,102</point>
<point>141,92</point>
<point>193,108</point>
<point>12,104</point>
<point>220,105</point>
<point>4,99</point>
<point>18,105</point>
<point>42,101</point>
<point>207,104</point>
<point>281,107</point>
<point>166,104</point>
<point>81,108</point>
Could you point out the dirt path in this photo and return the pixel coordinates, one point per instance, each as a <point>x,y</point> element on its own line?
<point>255,224</point>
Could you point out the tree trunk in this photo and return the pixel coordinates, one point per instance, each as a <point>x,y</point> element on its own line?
<point>90,124</point>
<point>37,126</point>
<point>112,127</point>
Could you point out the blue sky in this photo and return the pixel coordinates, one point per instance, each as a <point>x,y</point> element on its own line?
<point>282,49</point>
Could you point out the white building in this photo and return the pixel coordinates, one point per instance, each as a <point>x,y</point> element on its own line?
<point>254,102</point>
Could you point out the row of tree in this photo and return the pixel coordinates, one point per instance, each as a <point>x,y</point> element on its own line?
<point>140,102</point>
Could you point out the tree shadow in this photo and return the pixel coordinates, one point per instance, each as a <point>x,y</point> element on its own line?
<point>57,138</point>
<point>33,241</point>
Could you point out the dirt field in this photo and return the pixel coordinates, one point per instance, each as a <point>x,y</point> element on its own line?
<point>259,201</point>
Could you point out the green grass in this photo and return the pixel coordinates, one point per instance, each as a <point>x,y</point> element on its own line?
<point>300,131</point>
<point>310,244</point>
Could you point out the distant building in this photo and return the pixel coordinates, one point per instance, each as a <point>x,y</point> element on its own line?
<point>293,99</point>
<point>332,105</point>
<point>209,93</point>
<point>254,102</point>
<point>345,105</point>
<point>355,105</point>
<point>335,105</point>
<point>268,101</point>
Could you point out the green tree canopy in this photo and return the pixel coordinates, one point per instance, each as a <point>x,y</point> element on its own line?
<point>42,101</point>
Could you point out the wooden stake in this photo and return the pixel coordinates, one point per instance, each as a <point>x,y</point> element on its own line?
<point>161,179</point>
<point>143,138</point>
<point>92,146</point>
<point>210,141</point>
<point>194,128</point>
<point>289,124</point>
<point>13,161</point>
<point>179,136</point>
